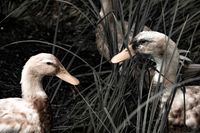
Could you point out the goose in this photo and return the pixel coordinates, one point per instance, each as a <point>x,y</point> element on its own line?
<point>164,51</point>
<point>29,114</point>
<point>189,69</point>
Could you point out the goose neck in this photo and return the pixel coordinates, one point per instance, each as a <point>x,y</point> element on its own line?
<point>167,67</point>
<point>31,84</point>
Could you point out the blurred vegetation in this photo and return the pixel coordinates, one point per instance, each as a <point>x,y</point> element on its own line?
<point>105,98</point>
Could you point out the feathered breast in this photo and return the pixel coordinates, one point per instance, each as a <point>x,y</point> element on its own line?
<point>18,115</point>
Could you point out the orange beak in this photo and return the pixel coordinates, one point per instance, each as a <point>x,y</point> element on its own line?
<point>127,53</point>
<point>67,77</point>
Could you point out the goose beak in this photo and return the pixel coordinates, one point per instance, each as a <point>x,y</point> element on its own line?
<point>127,53</point>
<point>67,77</point>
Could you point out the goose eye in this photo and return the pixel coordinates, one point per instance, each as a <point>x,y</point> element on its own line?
<point>49,63</point>
<point>142,41</point>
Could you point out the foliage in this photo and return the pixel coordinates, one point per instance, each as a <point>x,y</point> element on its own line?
<point>106,101</point>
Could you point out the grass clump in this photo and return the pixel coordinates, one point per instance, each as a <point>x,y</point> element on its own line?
<point>108,99</point>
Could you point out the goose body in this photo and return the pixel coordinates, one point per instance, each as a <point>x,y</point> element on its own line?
<point>30,114</point>
<point>164,50</point>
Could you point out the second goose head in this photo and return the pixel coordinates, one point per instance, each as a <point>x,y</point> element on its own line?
<point>163,50</point>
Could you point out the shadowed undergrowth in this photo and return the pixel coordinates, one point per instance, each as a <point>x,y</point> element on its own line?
<point>107,100</point>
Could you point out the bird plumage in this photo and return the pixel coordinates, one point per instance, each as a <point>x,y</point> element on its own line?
<point>165,53</point>
<point>110,26</point>
<point>31,112</point>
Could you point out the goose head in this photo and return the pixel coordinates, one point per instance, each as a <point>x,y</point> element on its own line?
<point>147,42</point>
<point>46,64</point>
<point>159,46</point>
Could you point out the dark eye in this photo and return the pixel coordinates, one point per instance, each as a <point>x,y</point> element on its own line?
<point>49,63</point>
<point>142,41</point>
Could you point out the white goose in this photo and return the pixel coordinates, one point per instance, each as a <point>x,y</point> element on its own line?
<point>29,114</point>
<point>109,21</point>
<point>163,49</point>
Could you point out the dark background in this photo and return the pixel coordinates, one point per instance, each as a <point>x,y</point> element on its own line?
<point>27,26</point>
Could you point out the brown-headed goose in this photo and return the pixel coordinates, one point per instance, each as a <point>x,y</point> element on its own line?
<point>29,114</point>
<point>165,53</point>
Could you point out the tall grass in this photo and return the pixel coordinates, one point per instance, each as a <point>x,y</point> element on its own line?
<point>118,103</point>
<point>109,101</point>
